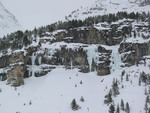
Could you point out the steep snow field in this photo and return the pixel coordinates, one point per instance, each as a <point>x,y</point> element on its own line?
<point>36,13</point>
<point>8,22</point>
<point>55,91</point>
<point>101,7</point>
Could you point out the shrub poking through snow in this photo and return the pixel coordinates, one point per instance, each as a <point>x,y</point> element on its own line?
<point>82,99</point>
<point>74,105</point>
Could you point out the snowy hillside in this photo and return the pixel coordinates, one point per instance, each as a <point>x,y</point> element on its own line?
<point>55,91</point>
<point>104,67</point>
<point>101,7</point>
<point>36,13</point>
<point>8,23</point>
<point>100,64</point>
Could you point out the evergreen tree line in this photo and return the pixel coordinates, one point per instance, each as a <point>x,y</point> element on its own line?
<point>96,19</point>
<point>19,39</point>
<point>16,40</point>
<point>121,107</point>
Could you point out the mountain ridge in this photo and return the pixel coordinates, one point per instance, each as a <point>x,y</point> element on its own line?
<point>101,7</point>
<point>8,22</point>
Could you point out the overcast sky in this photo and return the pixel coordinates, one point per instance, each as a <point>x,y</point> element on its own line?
<point>31,13</point>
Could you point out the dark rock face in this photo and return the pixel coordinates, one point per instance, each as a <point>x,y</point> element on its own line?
<point>16,75</point>
<point>133,52</point>
<point>103,67</point>
<point>67,56</point>
<point>73,58</point>
<point>15,67</point>
<point>109,35</point>
<point>93,36</point>
<point>3,76</point>
<point>44,71</point>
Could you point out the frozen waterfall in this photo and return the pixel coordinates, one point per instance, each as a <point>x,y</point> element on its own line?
<point>40,60</point>
<point>33,58</point>
<point>115,59</point>
<point>71,64</point>
<point>91,55</point>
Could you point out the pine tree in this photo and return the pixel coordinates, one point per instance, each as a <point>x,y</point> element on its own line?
<point>35,32</point>
<point>147,99</point>
<point>148,110</point>
<point>81,82</point>
<point>139,82</point>
<point>111,109</point>
<point>74,105</point>
<point>75,85</point>
<point>145,91</point>
<point>134,33</point>
<point>30,102</point>
<point>82,99</point>
<point>146,107</point>
<point>121,78</point>
<point>118,109</point>
<point>108,97</point>
<point>127,108</point>
<point>127,77</point>
<point>115,88</point>
<point>122,105</point>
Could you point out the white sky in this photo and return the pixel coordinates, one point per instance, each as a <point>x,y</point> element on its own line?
<point>31,13</point>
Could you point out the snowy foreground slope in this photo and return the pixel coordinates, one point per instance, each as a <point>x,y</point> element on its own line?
<point>55,91</point>
<point>101,7</point>
<point>8,22</point>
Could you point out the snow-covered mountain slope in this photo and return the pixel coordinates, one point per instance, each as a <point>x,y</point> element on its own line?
<point>8,22</point>
<point>101,7</point>
<point>36,13</point>
<point>58,66</point>
<point>107,63</point>
<point>55,92</point>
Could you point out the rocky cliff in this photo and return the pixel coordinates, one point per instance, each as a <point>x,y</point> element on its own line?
<point>101,48</point>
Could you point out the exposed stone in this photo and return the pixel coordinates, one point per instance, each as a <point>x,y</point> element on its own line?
<point>16,75</point>
<point>16,58</point>
<point>133,52</point>
<point>3,76</point>
<point>44,71</point>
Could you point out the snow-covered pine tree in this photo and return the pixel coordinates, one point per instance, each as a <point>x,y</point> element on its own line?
<point>115,88</point>
<point>139,81</point>
<point>127,77</point>
<point>108,98</point>
<point>121,78</point>
<point>118,109</point>
<point>146,107</point>
<point>81,82</point>
<point>30,102</point>
<point>127,109</point>
<point>82,99</point>
<point>147,99</point>
<point>111,109</point>
<point>74,105</point>
<point>145,91</point>
<point>122,105</point>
